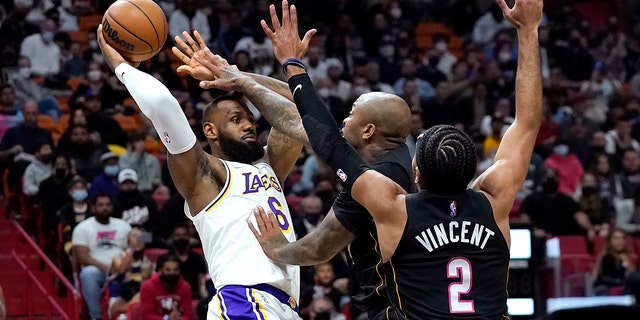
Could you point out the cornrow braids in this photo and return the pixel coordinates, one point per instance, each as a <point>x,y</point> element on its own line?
<point>446,158</point>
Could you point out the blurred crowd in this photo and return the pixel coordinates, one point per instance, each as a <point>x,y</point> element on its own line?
<point>71,134</point>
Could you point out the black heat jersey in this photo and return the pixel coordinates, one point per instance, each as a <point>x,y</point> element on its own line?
<point>364,258</point>
<point>452,260</point>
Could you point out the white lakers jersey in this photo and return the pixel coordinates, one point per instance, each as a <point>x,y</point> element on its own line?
<point>233,254</point>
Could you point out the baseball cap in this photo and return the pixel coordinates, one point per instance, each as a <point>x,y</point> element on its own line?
<point>127,174</point>
<point>108,155</point>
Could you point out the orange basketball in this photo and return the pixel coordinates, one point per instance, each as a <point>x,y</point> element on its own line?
<point>136,28</point>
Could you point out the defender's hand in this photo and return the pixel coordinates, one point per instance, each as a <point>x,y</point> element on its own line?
<point>270,235</point>
<point>185,50</point>
<point>525,14</point>
<point>284,37</point>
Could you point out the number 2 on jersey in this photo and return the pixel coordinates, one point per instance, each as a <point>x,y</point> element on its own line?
<point>276,208</point>
<point>459,268</point>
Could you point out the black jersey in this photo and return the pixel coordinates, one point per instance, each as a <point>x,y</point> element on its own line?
<point>364,257</point>
<point>452,260</point>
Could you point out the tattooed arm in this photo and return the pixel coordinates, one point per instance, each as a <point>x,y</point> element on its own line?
<point>320,245</point>
<point>277,86</point>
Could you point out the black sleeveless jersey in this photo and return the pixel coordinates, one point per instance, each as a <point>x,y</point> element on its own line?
<point>452,260</point>
<point>365,262</point>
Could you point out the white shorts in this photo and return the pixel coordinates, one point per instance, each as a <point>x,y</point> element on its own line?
<point>260,302</point>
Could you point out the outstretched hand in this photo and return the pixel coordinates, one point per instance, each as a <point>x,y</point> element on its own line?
<point>112,57</point>
<point>525,14</point>
<point>185,50</point>
<point>284,37</point>
<point>269,235</point>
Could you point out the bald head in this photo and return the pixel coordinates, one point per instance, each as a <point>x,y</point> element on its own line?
<point>389,113</point>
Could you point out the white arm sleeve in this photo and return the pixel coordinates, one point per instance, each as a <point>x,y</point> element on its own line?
<point>159,105</point>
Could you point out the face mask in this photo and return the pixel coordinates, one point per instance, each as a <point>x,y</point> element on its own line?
<point>550,185</point>
<point>61,173</point>
<point>94,75</point>
<point>46,158</point>
<point>387,51</point>
<point>504,56</point>
<point>396,13</point>
<point>587,191</point>
<point>79,195</point>
<point>313,218</point>
<point>324,315</point>
<point>47,36</point>
<point>170,280</point>
<point>324,92</point>
<point>93,44</point>
<point>181,243</point>
<point>441,46</point>
<point>111,171</point>
<point>561,150</point>
<point>25,72</point>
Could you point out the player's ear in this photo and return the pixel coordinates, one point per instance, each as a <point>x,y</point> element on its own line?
<point>210,130</point>
<point>368,130</point>
<point>417,177</point>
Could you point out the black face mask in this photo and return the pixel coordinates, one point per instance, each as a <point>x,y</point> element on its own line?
<point>313,218</point>
<point>550,186</point>
<point>587,191</point>
<point>169,280</point>
<point>137,255</point>
<point>61,173</point>
<point>46,158</point>
<point>325,315</point>
<point>181,244</point>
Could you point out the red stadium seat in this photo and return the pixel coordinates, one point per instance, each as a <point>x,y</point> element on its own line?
<point>154,253</point>
<point>134,312</point>
<point>573,245</point>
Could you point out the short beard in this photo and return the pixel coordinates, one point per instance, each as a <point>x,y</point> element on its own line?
<point>240,151</point>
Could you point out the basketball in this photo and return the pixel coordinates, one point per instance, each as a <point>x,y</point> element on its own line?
<point>137,29</point>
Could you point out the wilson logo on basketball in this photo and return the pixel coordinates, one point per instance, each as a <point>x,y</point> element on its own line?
<point>113,34</point>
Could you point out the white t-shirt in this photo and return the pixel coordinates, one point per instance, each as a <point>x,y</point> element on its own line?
<point>105,241</point>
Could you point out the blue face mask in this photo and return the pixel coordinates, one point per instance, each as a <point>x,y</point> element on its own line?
<point>79,195</point>
<point>561,150</point>
<point>111,171</point>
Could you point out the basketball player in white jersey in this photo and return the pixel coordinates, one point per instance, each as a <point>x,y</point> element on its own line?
<point>222,189</point>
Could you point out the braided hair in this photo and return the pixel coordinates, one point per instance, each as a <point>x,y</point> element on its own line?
<point>446,158</point>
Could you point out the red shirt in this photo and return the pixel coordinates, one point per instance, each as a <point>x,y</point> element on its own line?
<point>156,300</point>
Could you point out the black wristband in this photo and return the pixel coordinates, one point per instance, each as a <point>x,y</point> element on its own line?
<point>293,61</point>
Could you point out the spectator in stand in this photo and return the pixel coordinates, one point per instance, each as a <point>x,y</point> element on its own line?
<point>96,85</point>
<point>629,176</point>
<point>70,214</point>
<point>372,68</point>
<point>409,71</point>
<point>77,116</point>
<point>107,181</point>
<point>52,195</point>
<point>593,205</point>
<point>166,295</point>
<point>260,50</point>
<point>613,265</point>
<point>619,139</point>
<point>322,308</point>
<point>189,16</point>
<point>128,272</point>
<point>43,52</point>
<point>315,62</point>
<point>628,214</point>
<point>10,109</point>
<point>18,146</point>
<point>553,213</point>
<point>108,128</point>
<point>95,242</point>
<point>133,207</point>
<point>324,284</point>
<point>310,213</point>
<point>568,166</point>
<point>486,27</point>
<point>193,267</point>
<point>38,170</point>
<point>85,153</point>
<point>144,164</point>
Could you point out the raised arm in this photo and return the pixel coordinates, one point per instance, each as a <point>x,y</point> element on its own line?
<point>504,178</point>
<point>287,136</point>
<point>386,204</point>
<point>191,169</point>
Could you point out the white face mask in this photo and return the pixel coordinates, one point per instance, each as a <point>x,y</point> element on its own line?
<point>47,36</point>
<point>25,72</point>
<point>324,92</point>
<point>387,50</point>
<point>93,44</point>
<point>504,56</point>
<point>396,13</point>
<point>441,46</point>
<point>94,75</point>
